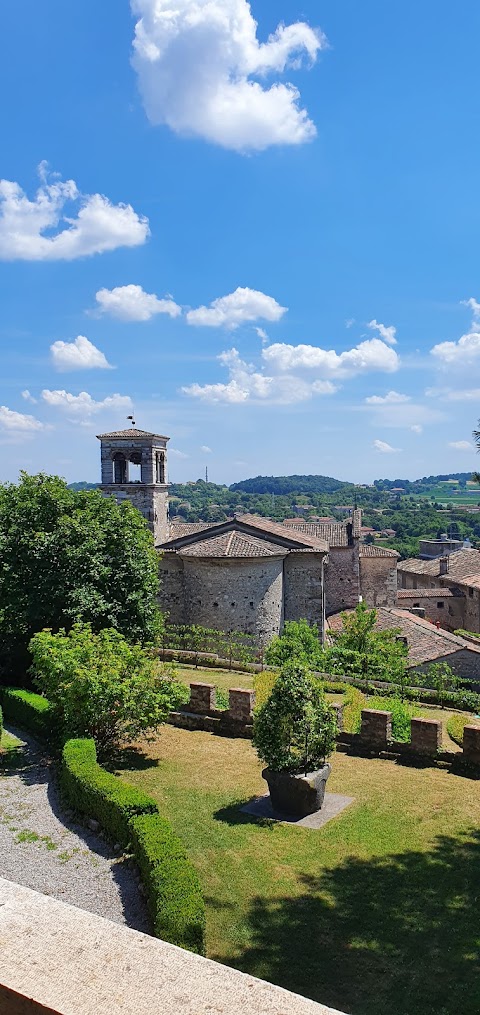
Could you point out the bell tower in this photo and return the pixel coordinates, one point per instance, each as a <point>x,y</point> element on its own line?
<point>134,468</point>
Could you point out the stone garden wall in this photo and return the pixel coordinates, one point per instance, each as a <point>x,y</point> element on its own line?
<point>375,737</point>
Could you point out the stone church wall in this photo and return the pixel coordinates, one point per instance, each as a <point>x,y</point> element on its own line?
<point>171,599</point>
<point>304,597</point>
<point>342,578</point>
<point>378,580</point>
<point>229,595</point>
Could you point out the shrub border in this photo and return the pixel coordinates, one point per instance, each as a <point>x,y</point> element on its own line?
<point>30,711</point>
<point>130,816</point>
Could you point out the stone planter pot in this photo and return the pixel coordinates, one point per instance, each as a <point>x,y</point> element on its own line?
<point>297,794</point>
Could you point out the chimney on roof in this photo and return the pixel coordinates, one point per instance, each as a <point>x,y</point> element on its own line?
<point>443,565</point>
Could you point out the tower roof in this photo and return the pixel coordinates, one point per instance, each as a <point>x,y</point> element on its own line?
<point>125,434</point>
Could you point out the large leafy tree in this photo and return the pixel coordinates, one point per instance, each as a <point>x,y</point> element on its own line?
<point>360,650</point>
<point>100,686</point>
<point>67,557</point>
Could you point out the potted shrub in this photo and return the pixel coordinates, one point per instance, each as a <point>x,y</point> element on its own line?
<point>294,734</point>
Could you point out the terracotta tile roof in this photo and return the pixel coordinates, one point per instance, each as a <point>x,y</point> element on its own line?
<point>367,550</point>
<point>460,563</point>
<point>471,581</point>
<point>179,529</point>
<point>130,433</point>
<point>233,544</point>
<point>249,526</point>
<point>334,533</point>
<point>425,641</point>
<point>439,593</point>
<point>306,536</point>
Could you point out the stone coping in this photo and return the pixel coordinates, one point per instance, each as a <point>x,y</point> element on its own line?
<point>70,962</point>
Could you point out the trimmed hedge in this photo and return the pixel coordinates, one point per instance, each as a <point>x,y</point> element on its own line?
<point>130,816</point>
<point>30,711</point>
<point>455,727</point>
<point>1,723</point>
<point>88,788</point>
<point>174,896</point>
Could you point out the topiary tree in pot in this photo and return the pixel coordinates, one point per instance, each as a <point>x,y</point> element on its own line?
<point>294,734</point>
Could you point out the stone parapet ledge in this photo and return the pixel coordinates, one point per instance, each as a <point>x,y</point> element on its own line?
<point>202,698</point>
<point>471,744</point>
<point>63,961</point>
<point>426,736</point>
<point>376,729</point>
<point>241,704</point>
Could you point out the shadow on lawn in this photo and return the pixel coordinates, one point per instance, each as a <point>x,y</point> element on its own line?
<point>131,759</point>
<point>399,933</point>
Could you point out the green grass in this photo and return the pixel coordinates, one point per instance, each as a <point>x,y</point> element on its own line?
<point>375,912</point>
<point>220,678</point>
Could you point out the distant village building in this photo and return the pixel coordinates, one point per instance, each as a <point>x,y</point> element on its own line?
<point>458,572</point>
<point>246,573</point>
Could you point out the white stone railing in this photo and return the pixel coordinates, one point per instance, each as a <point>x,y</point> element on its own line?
<point>58,960</point>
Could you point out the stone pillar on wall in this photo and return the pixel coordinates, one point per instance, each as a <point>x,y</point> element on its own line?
<point>376,729</point>
<point>426,736</point>
<point>241,704</point>
<point>471,744</point>
<point>202,698</point>
<point>338,709</point>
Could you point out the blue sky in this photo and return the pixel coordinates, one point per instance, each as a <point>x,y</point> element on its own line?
<point>269,250</point>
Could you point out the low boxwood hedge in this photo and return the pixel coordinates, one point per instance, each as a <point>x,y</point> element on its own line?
<point>27,710</point>
<point>128,815</point>
<point>88,788</point>
<point>173,890</point>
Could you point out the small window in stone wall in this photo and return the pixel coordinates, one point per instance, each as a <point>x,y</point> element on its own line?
<point>416,606</point>
<point>440,606</point>
<point>470,592</point>
<point>215,606</point>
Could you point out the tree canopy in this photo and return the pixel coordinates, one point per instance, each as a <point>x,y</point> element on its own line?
<point>71,556</point>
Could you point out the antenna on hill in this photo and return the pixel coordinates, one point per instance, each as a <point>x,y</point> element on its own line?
<point>132,420</point>
<point>206,473</point>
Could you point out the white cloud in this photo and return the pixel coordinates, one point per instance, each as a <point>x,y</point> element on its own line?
<point>246,384</point>
<point>370,355</point>
<point>384,448</point>
<point>196,61</point>
<point>178,454</point>
<point>238,308</point>
<point>83,405</point>
<point>131,303</point>
<point>28,397</point>
<point>416,428</point>
<point>387,334</point>
<point>466,352</point>
<point>262,334</point>
<point>461,445</point>
<point>17,422</point>
<point>43,229</point>
<point>392,398</point>
<point>78,355</point>
<point>454,395</point>
<point>206,450</point>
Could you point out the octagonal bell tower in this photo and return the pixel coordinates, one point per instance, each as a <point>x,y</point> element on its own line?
<point>134,468</point>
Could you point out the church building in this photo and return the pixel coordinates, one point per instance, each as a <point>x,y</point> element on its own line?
<point>249,573</point>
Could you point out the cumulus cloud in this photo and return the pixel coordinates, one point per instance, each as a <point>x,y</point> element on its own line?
<point>206,450</point>
<point>384,448</point>
<point>83,405</point>
<point>177,454</point>
<point>237,308</point>
<point>29,397</point>
<point>392,398</point>
<point>367,356</point>
<point>78,355</point>
<point>465,352</point>
<point>387,334</point>
<point>198,64</point>
<point>131,303</point>
<point>246,384</point>
<point>461,445</point>
<point>60,223</point>
<point>17,422</point>
<point>416,428</point>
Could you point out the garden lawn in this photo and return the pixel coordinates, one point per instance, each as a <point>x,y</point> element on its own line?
<point>376,912</point>
<point>220,678</point>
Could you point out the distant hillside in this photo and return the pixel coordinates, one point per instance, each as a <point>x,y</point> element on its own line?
<point>284,485</point>
<point>82,486</point>
<point>421,485</point>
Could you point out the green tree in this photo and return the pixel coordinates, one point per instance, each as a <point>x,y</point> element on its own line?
<point>441,677</point>
<point>359,650</point>
<point>68,556</point>
<point>295,729</point>
<point>102,687</point>
<point>298,642</point>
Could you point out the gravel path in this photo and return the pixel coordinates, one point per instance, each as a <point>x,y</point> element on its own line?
<point>43,849</point>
